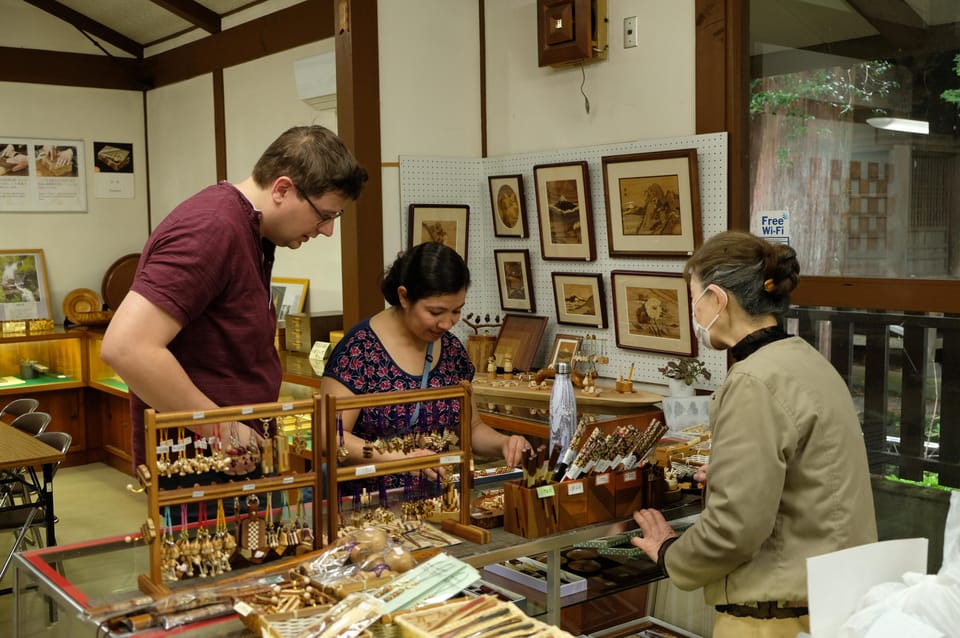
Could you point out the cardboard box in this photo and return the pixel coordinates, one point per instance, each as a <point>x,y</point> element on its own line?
<point>533,574</point>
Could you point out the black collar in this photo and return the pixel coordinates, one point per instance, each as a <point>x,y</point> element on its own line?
<point>756,340</point>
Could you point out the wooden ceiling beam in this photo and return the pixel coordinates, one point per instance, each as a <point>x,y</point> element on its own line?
<point>37,66</point>
<point>88,26</point>
<point>194,13</point>
<point>895,20</point>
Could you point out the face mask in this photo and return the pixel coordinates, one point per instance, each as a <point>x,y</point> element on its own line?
<point>703,333</point>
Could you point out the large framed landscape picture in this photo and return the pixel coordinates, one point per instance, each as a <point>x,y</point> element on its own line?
<point>564,211</point>
<point>444,223</point>
<point>579,299</point>
<point>24,293</point>
<point>653,203</point>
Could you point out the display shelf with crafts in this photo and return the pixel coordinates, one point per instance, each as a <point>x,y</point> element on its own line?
<point>199,546</point>
<point>40,358</point>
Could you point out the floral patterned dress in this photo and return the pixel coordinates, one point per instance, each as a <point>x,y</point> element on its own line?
<point>362,364</point>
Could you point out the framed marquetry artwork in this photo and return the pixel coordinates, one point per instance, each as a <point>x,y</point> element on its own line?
<point>513,279</point>
<point>506,202</point>
<point>579,299</point>
<point>564,211</point>
<point>444,223</point>
<point>652,312</point>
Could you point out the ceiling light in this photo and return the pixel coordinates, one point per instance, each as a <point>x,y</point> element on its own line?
<point>900,124</point>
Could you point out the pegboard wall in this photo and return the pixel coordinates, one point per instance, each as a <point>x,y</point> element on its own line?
<point>435,180</point>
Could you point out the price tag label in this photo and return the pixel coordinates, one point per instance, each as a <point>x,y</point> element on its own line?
<point>163,448</point>
<point>249,487</point>
<point>545,491</point>
<point>449,460</point>
<point>197,494</point>
<point>575,488</point>
<point>287,480</point>
<point>364,470</point>
<point>246,410</point>
<point>197,415</point>
<point>602,479</point>
<point>630,476</point>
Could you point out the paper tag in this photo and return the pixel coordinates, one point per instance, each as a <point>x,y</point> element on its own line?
<point>602,479</point>
<point>242,608</point>
<point>448,460</point>
<point>178,447</point>
<point>196,494</point>
<point>163,448</point>
<point>545,491</point>
<point>287,480</point>
<point>201,444</point>
<point>630,476</point>
<point>575,488</point>
<point>198,415</point>
<point>363,470</point>
<point>286,406</point>
<point>188,440</point>
<point>249,487</point>
<point>246,410</point>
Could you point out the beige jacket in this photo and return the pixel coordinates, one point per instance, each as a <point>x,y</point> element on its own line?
<point>788,479</point>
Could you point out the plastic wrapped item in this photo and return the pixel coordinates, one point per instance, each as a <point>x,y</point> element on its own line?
<point>932,600</point>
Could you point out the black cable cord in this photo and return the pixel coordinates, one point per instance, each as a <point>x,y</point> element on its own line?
<point>586,100</point>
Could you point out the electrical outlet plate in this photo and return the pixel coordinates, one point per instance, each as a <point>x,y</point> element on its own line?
<point>630,32</point>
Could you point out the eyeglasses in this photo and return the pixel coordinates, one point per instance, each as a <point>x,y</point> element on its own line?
<point>324,217</point>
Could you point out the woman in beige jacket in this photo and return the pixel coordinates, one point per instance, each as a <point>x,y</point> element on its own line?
<point>788,474</point>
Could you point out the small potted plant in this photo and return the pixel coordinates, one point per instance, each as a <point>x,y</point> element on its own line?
<point>682,373</point>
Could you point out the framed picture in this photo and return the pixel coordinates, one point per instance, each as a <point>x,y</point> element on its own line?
<point>24,292</point>
<point>653,203</point>
<point>288,295</point>
<point>519,339</point>
<point>444,223</point>
<point>651,311</point>
<point>579,299</point>
<point>506,202</point>
<point>564,211</point>
<point>513,278</point>
<point>564,349</point>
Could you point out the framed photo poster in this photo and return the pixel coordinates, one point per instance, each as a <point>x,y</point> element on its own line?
<point>565,348</point>
<point>513,279</point>
<point>652,312</point>
<point>506,202</point>
<point>444,223</point>
<point>579,299</point>
<point>24,292</point>
<point>519,339</point>
<point>653,203</point>
<point>564,211</point>
<point>288,295</point>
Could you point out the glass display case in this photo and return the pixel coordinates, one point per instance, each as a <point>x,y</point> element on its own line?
<point>102,377</point>
<point>31,363</point>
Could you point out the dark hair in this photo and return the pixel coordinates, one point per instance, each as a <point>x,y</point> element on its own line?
<point>426,270</point>
<point>315,159</point>
<point>761,275</point>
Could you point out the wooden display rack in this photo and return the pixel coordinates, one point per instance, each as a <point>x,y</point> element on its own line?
<point>336,475</point>
<point>152,583</point>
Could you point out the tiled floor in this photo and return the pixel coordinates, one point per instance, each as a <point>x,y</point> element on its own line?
<point>91,502</point>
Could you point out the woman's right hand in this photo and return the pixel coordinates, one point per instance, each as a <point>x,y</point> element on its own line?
<point>700,476</point>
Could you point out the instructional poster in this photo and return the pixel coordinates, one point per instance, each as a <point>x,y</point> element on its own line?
<point>42,175</point>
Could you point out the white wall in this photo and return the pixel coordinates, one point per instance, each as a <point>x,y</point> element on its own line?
<point>78,247</point>
<point>645,92</point>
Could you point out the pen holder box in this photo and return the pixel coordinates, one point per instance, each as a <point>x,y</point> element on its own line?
<point>628,490</point>
<point>602,497</point>
<point>533,512</point>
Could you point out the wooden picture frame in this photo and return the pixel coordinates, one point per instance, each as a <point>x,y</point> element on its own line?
<point>24,291</point>
<point>513,280</point>
<point>652,312</point>
<point>579,299</point>
<point>519,339</point>
<point>565,348</point>
<point>444,223</point>
<point>507,205</point>
<point>653,203</point>
<point>289,296</point>
<point>564,211</point>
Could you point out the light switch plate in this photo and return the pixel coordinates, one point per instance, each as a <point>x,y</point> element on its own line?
<point>629,32</point>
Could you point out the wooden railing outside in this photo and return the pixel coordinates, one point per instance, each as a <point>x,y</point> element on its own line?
<point>903,372</point>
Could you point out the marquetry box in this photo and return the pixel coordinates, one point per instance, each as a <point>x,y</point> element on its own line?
<point>302,329</point>
<point>533,512</point>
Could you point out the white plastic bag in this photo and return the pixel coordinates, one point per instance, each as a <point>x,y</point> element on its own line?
<point>931,599</point>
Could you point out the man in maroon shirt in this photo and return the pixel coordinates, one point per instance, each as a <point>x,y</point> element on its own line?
<point>196,331</point>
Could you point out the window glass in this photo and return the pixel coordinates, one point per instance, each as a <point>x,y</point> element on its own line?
<point>854,134</point>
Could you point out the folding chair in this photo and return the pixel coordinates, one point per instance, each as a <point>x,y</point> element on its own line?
<point>19,406</point>
<point>33,423</point>
<point>21,519</point>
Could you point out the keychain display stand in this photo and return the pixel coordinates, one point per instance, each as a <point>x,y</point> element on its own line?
<point>158,499</point>
<point>331,405</point>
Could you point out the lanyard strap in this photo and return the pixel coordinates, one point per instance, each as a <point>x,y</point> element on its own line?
<point>427,360</point>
